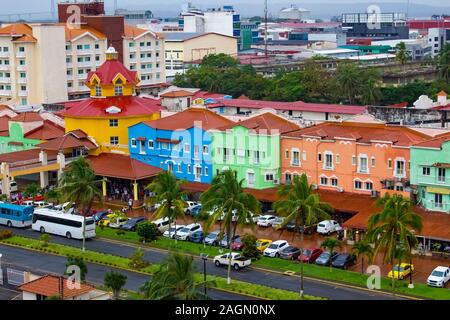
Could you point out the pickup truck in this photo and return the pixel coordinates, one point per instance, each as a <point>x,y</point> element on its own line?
<point>237,261</point>
<point>439,277</point>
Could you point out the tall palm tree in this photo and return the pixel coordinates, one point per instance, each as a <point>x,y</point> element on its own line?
<point>363,249</point>
<point>394,226</point>
<point>370,91</point>
<point>330,244</point>
<point>225,199</point>
<point>169,196</point>
<point>174,280</point>
<point>443,62</point>
<point>347,77</point>
<point>402,55</point>
<point>79,184</point>
<point>300,204</point>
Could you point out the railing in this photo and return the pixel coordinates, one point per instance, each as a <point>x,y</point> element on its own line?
<point>5,54</point>
<point>20,55</point>
<point>440,206</point>
<point>5,80</point>
<point>6,93</point>
<point>23,80</point>
<point>23,93</point>
<point>295,163</point>
<point>5,67</point>
<point>32,166</point>
<point>441,179</point>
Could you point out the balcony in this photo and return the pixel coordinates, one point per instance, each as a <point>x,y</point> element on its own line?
<point>5,80</point>
<point>399,174</point>
<point>146,49</point>
<point>23,93</point>
<point>86,64</point>
<point>132,49</point>
<point>22,67</point>
<point>438,206</point>
<point>4,54</point>
<point>20,55</point>
<point>440,179</point>
<point>82,76</point>
<point>5,67</point>
<point>22,80</point>
<point>85,52</point>
<point>5,93</point>
<point>295,163</point>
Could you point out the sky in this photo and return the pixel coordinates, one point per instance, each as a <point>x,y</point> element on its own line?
<point>166,6</point>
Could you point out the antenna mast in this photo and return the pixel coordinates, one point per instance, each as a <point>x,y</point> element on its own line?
<point>265,26</point>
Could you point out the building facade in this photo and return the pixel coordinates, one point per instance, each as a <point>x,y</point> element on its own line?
<point>430,173</point>
<point>180,143</point>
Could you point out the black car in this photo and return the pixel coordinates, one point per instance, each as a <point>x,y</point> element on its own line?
<point>308,230</point>
<point>132,223</point>
<point>343,261</point>
<point>290,253</point>
<point>326,258</point>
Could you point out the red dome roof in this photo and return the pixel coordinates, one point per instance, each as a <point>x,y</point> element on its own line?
<point>110,69</point>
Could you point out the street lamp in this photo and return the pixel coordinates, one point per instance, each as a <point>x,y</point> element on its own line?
<point>204,258</point>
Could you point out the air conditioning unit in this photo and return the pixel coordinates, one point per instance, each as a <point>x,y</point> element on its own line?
<point>340,189</point>
<point>314,186</point>
<point>275,181</point>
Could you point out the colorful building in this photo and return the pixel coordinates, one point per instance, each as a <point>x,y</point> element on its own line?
<point>180,143</point>
<point>251,148</point>
<point>359,157</point>
<point>112,107</point>
<point>430,173</point>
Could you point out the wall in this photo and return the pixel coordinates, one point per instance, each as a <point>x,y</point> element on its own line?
<point>405,116</point>
<point>197,48</point>
<point>16,134</point>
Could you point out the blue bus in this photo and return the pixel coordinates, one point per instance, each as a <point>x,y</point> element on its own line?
<point>17,216</point>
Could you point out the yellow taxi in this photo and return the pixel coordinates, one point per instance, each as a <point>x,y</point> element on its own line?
<point>108,219</point>
<point>401,271</point>
<point>262,244</point>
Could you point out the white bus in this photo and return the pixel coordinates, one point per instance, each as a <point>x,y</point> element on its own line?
<point>62,224</point>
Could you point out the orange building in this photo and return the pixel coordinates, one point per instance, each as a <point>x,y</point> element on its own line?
<point>365,158</point>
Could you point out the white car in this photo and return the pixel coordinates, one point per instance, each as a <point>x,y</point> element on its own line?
<point>273,251</point>
<point>237,261</point>
<point>266,220</point>
<point>162,224</point>
<point>439,277</point>
<point>328,227</point>
<point>191,204</point>
<point>278,222</point>
<point>171,232</point>
<point>12,187</point>
<point>42,204</point>
<point>187,231</point>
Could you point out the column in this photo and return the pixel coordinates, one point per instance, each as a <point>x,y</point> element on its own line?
<point>5,179</point>
<point>61,160</point>
<point>135,191</point>
<point>104,186</point>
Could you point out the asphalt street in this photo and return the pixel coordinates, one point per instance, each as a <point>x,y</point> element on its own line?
<point>275,280</point>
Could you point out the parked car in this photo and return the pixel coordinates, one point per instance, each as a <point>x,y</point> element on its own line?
<point>237,244</point>
<point>212,238</point>
<point>237,261</point>
<point>195,211</point>
<point>401,271</point>
<point>162,224</point>
<point>171,232</point>
<point>190,206</point>
<point>233,217</point>
<point>118,222</point>
<point>132,223</point>
<point>197,237</point>
<point>328,227</point>
<point>439,277</point>
<point>224,242</point>
<point>310,255</point>
<point>308,229</point>
<point>111,218</point>
<point>100,215</point>
<point>42,204</point>
<point>262,244</point>
<point>326,258</point>
<point>278,222</point>
<point>343,261</point>
<point>275,248</point>
<point>266,220</point>
<point>187,231</point>
<point>12,187</point>
<point>290,253</point>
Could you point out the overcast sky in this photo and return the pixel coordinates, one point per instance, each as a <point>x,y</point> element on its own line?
<point>163,6</point>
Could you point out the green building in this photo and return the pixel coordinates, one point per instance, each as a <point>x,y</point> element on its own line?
<point>430,173</point>
<point>368,49</point>
<point>252,149</point>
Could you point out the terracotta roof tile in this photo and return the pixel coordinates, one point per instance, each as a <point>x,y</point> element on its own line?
<point>47,131</point>
<point>265,122</point>
<point>25,155</point>
<point>17,29</point>
<point>27,117</point>
<point>4,123</point>
<point>72,33</point>
<point>65,142</point>
<point>50,286</point>
<point>187,118</point>
<point>177,94</point>
<point>133,32</point>
<point>109,70</point>
<point>436,142</point>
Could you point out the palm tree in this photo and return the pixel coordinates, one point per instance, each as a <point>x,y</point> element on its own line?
<point>168,195</point>
<point>174,280</point>
<point>443,62</point>
<point>330,244</point>
<point>370,91</point>
<point>225,199</point>
<point>80,185</point>
<point>300,204</point>
<point>115,281</point>
<point>395,225</point>
<point>363,249</point>
<point>402,55</point>
<point>32,190</point>
<point>347,77</point>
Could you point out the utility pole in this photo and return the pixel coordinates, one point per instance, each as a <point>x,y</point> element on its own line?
<point>265,27</point>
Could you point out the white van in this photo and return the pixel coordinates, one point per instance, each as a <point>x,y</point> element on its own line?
<point>162,224</point>
<point>328,227</point>
<point>12,187</point>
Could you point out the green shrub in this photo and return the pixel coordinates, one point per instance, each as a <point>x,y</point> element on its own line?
<point>147,231</point>
<point>45,239</point>
<point>250,250</point>
<point>5,234</point>
<point>137,260</point>
<point>120,232</point>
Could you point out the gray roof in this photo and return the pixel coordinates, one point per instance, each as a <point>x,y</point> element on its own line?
<point>180,36</point>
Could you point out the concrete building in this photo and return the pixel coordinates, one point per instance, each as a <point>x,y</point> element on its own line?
<point>437,38</point>
<point>294,13</point>
<point>32,58</point>
<point>135,17</point>
<point>184,48</point>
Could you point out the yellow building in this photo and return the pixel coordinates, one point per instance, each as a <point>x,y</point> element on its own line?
<point>112,107</point>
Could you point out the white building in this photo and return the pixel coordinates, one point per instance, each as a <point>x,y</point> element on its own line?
<point>294,13</point>
<point>437,37</point>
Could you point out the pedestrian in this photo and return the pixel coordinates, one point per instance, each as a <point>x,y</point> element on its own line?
<point>130,204</point>
<point>110,211</point>
<point>124,210</point>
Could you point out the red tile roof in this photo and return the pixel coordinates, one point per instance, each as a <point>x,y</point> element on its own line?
<point>50,286</point>
<point>362,132</point>
<point>19,32</point>
<point>78,133</point>
<point>265,122</point>
<point>25,155</point>
<point>208,95</point>
<point>177,94</point>
<point>122,166</point>
<point>435,142</point>
<point>27,117</point>
<point>187,118</point>
<point>96,107</point>
<point>109,70</point>
<point>293,106</point>
<point>66,141</point>
<point>4,123</point>
<point>47,131</point>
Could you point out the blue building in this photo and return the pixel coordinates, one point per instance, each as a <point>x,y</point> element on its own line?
<point>180,143</point>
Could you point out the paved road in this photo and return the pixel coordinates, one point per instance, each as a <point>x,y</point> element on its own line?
<point>41,263</point>
<point>312,287</point>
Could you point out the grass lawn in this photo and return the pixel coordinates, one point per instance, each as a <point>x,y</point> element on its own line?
<point>315,271</point>
<point>236,286</point>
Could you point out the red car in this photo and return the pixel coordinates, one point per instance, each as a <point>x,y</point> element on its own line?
<point>310,255</point>
<point>237,244</point>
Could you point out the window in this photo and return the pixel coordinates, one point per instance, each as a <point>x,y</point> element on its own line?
<point>170,167</point>
<point>338,158</point>
<point>358,185</point>
<point>369,185</point>
<point>372,161</point>
<point>189,168</point>
<point>206,171</point>
<point>250,178</point>
<point>353,160</point>
<point>149,44</point>
<point>196,151</point>
<point>131,45</point>
<point>79,47</point>
<point>142,44</point>
<point>198,173</point>
<point>118,90</point>
<point>438,200</point>
<point>323,181</point>
<point>164,145</point>
<point>363,164</point>
<point>114,140</point>
<point>87,46</point>
<point>426,171</point>
<point>22,62</point>
<point>179,168</point>
<point>295,158</point>
<point>319,157</point>
<point>334,182</point>
<point>205,149</point>
<point>151,144</point>
<point>187,148</point>
<point>328,161</point>
<point>441,175</point>
<point>97,46</point>
<point>98,91</point>
<point>288,178</point>
<point>133,143</point>
<point>399,168</point>
<point>269,176</point>
<point>304,155</point>
<point>286,154</point>
<point>390,163</point>
<point>21,49</point>
<point>113,122</point>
